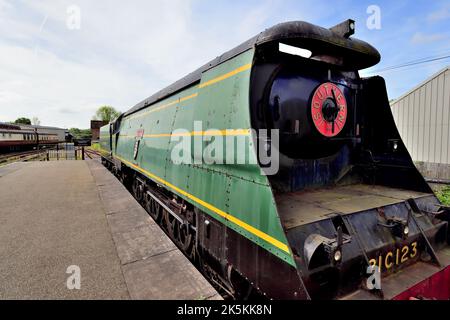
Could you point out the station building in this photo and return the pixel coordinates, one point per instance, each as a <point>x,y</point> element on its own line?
<point>95,128</point>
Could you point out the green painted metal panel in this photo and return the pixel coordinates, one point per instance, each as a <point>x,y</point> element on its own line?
<point>238,195</point>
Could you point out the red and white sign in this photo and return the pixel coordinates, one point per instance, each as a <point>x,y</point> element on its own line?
<point>329,109</point>
<point>140,133</point>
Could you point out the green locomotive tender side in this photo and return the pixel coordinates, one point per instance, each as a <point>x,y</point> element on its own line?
<point>251,232</point>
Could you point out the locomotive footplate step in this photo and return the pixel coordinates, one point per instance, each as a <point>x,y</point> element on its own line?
<point>313,205</point>
<point>152,265</point>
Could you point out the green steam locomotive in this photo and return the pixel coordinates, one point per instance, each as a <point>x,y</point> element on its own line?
<point>280,173</point>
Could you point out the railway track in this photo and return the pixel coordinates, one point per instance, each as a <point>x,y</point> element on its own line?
<point>35,154</point>
<point>21,156</point>
<point>91,154</point>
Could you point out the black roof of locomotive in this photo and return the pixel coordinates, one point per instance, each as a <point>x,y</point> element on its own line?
<point>357,53</point>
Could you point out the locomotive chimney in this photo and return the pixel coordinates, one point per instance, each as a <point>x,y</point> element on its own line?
<point>344,29</point>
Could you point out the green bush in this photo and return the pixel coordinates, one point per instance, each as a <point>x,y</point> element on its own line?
<point>95,146</point>
<point>444,196</point>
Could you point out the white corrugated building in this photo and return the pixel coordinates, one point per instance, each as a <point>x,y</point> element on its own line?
<point>423,116</point>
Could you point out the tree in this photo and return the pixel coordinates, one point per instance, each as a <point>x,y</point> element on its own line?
<point>107,113</point>
<point>80,133</point>
<point>35,121</point>
<point>23,120</point>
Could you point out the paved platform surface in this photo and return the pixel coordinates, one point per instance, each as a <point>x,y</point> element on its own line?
<point>51,217</point>
<point>152,265</point>
<point>57,214</point>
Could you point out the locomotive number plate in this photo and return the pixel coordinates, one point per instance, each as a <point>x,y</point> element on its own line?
<point>329,109</point>
<point>396,257</point>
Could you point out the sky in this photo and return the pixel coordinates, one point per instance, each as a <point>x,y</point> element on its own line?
<point>61,60</point>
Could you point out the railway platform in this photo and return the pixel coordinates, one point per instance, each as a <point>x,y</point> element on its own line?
<point>70,230</point>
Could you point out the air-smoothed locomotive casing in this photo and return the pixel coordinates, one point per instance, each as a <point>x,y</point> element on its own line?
<point>239,221</point>
<point>241,188</point>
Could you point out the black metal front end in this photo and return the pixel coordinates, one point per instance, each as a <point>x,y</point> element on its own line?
<point>334,248</point>
<point>368,242</point>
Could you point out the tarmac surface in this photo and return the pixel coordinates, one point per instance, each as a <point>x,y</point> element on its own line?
<point>54,215</point>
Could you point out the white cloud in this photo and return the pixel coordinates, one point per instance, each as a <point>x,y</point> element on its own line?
<point>421,38</point>
<point>255,20</point>
<point>441,14</point>
<point>122,53</point>
<point>43,85</point>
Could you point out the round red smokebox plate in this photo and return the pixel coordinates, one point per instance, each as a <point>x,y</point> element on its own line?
<point>322,93</point>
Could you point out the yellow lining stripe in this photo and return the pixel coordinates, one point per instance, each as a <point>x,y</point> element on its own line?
<point>203,85</point>
<point>227,132</point>
<point>221,213</point>
<point>165,106</point>
<point>225,76</point>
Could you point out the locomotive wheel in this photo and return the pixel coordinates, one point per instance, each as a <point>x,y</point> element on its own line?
<point>185,238</point>
<point>141,193</point>
<point>164,219</point>
<point>137,190</point>
<point>154,209</point>
<point>123,177</point>
<point>171,225</point>
<point>134,188</point>
<point>147,203</point>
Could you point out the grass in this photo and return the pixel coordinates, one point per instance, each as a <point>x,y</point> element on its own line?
<point>444,196</point>
<point>95,146</point>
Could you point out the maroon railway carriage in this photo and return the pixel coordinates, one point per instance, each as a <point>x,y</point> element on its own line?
<point>14,138</point>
